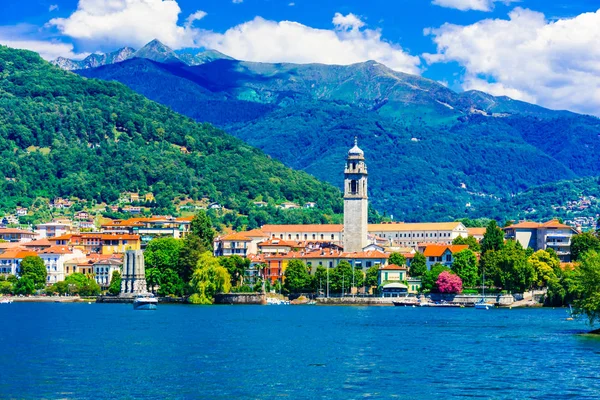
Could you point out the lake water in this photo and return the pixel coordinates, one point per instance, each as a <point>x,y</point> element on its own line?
<point>105,351</point>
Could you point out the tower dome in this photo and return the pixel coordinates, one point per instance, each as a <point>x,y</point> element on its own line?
<point>355,151</point>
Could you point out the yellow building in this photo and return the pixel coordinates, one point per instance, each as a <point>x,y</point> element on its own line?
<point>117,244</point>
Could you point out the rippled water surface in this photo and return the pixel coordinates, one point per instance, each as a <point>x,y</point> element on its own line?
<point>103,351</point>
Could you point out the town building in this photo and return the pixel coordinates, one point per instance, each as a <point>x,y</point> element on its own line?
<point>104,269</point>
<point>325,232</point>
<point>411,234</point>
<point>441,254</point>
<point>239,243</point>
<point>16,235</point>
<point>54,259</point>
<point>10,260</point>
<point>541,236</point>
<point>356,202</point>
<point>52,229</point>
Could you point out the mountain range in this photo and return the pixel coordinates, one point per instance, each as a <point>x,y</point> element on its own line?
<point>154,50</point>
<point>433,154</point>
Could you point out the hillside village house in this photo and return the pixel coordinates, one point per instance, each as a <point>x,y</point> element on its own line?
<point>541,236</point>
<point>441,254</point>
<point>53,229</point>
<point>16,235</point>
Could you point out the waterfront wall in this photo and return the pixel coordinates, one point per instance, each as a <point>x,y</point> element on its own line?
<point>240,298</point>
<point>129,299</point>
<point>367,301</point>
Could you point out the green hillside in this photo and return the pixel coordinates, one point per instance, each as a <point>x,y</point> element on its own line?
<point>63,135</point>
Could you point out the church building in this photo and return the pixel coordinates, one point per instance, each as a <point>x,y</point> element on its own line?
<point>356,202</point>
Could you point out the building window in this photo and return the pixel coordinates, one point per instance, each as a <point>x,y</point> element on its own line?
<point>332,237</point>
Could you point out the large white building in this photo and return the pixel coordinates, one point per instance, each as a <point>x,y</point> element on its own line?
<point>54,259</point>
<point>412,234</point>
<point>548,235</point>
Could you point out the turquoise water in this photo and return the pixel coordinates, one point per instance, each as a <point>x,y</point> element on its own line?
<point>104,351</point>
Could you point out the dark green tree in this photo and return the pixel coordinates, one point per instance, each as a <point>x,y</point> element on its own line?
<point>236,266</point>
<point>588,280</point>
<point>582,243</point>
<point>372,277</point>
<point>469,241</point>
<point>429,278</point>
<point>397,259</point>
<point>493,239</point>
<point>34,268</point>
<point>418,266</point>
<point>297,278</point>
<point>465,266</point>
<point>202,227</point>
<point>25,285</point>
<point>163,253</point>
<point>115,283</point>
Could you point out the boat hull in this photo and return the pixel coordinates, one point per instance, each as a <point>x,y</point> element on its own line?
<point>144,306</point>
<point>483,306</point>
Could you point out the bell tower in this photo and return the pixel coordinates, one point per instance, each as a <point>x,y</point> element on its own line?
<point>356,202</point>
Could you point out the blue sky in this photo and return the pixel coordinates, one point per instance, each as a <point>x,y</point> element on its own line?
<point>541,51</point>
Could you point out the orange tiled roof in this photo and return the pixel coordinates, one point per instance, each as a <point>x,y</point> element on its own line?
<point>239,236</point>
<point>37,243</point>
<point>367,254</point>
<point>17,253</point>
<point>66,236</point>
<point>524,225</point>
<point>435,250</point>
<point>14,231</point>
<point>57,250</point>
<point>303,228</point>
<point>107,236</point>
<point>476,231</point>
<point>283,243</point>
<point>554,223</point>
<point>394,267</point>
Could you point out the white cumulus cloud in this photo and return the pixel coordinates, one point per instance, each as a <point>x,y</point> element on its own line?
<point>197,16</point>
<point>287,41</point>
<point>127,22</point>
<point>465,5</point>
<point>555,64</point>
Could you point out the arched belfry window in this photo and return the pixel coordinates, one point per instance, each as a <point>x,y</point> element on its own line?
<point>353,187</point>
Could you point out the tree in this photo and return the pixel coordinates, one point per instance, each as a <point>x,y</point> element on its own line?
<point>341,278</point>
<point>493,239</point>
<point>25,285</point>
<point>188,256</point>
<point>588,280</point>
<point>34,268</point>
<point>372,277</point>
<point>170,283</point>
<point>6,287</point>
<point>297,278</point>
<point>320,279</point>
<point>510,268</point>
<point>236,266</point>
<point>201,226</point>
<point>465,266</point>
<point>152,278</point>
<point>418,266</point>
<point>448,282</point>
<point>397,259</point>
<point>162,253</point>
<point>469,241</point>
<point>429,278</point>
<point>582,243</point>
<point>115,283</point>
<point>545,267</point>
<point>208,279</point>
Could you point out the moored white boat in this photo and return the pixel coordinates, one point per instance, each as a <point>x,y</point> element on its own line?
<point>5,301</point>
<point>145,301</point>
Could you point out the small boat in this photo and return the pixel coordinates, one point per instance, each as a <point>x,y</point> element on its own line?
<point>481,304</point>
<point>6,301</point>
<point>145,301</point>
<point>405,303</point>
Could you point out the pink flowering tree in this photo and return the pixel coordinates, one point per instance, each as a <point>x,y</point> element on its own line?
<point>448,282</point>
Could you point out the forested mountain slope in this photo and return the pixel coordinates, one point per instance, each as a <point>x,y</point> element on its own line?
<point>433,153</point>
<point>63,135</point>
